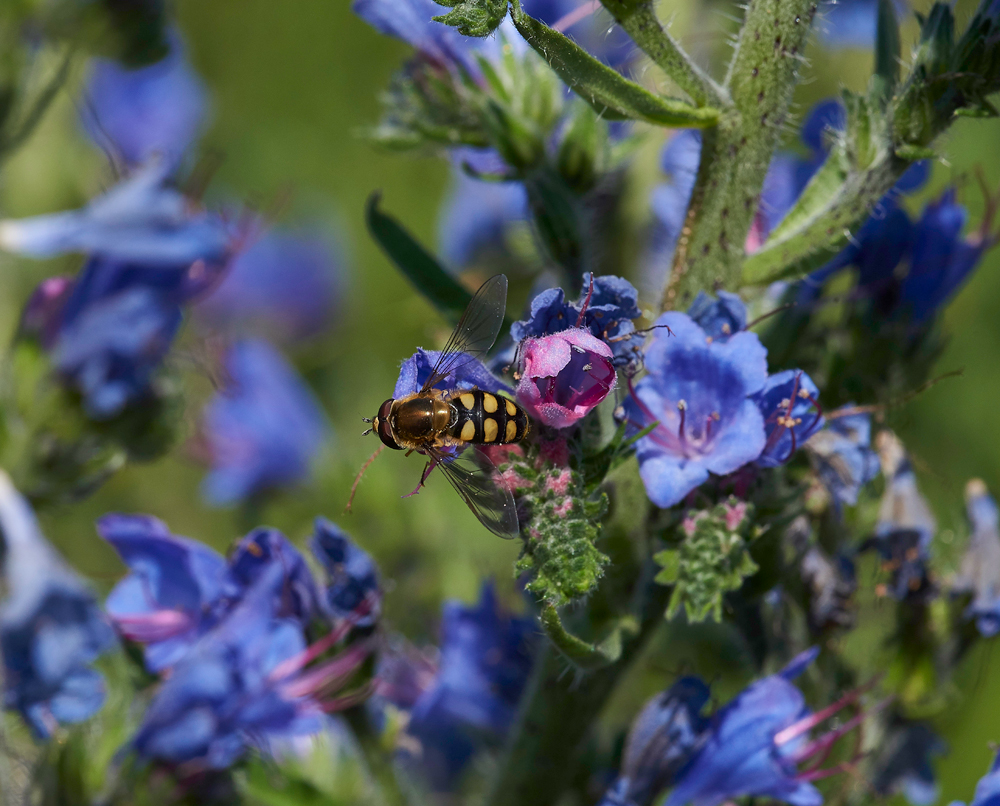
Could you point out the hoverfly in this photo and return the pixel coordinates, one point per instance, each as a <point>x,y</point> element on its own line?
<point>445,425</point>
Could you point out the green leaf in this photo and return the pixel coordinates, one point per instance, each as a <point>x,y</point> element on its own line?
<point>583,654</point>
<point>887,47</point>
<point>477,18</point>
<point>419,266</point>
<point>670,562</point>
<point>612,95</point>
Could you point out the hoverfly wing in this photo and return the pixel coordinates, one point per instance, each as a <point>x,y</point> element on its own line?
<point>473,476</point>
<point>476,330</point>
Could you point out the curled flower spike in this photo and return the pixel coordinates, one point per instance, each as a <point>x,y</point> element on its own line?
<point>565,376</point>
<point>980,570</point>
<point>699,392</point>
<point>758,742</point>
<point>790,405</point>
<point>51,628</point>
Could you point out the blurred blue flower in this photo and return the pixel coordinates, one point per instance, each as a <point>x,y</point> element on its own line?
<point>476,217</point>
<point>263,429</point>
<point>980,570</point>
<point>157,110</point>
<point>225,693</point>
<point>700,392</point>
<point>988,788</point>
<point>753,745</point>
<point>485,661</point>
<point>255,553</point>
<point>141,220</point>
<point>173,593</point>
<point>661,743</point>
<point>721,317</point>
<point>471,374</point>
<point>283,286</point>
<point>669,202</point>
<point>608,312</point>
<point>789,403</point>
<point>906,767</point>
<point>51,628</point>
<point>352,575</point>
<point>852,23</point>
<point>842,454</point>
<point>411,21</point>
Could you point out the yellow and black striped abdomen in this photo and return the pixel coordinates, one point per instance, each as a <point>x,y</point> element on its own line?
<point>485,418</point>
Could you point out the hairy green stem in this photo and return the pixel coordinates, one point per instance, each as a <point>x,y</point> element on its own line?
<point>761,79</point>
<point>641,23</point>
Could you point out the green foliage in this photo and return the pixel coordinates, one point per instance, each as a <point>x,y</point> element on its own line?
<point>711,561</point>
<point>474,17</point>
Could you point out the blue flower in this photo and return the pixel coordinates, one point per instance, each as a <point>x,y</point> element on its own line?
<point>669,203</point>
<point>351,572</point>
<point>226,692</point>
<point>720,318</point>
<point>157,110</point>
<point>988,788</point>
<point>51,628</point>
<point>411,21</point>
<point>283,285</point>
<point>842,454</point>
<point>980,570</point>
<point>264,547</point>
<point>661,743</point>
<point>485,661</point>
<point>471,374</point>
<point>752,746</point>
<point>476,217</point>
<point>263,429</point>
<point>174,590</point>
<point>140,220</point>
<point>699,391</point>
<point>608,312</point>
<point>789,403</point>
<point>907,768</point>
<point>852,23</point>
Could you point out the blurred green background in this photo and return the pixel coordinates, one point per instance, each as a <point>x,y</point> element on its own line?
<point>293,84</point>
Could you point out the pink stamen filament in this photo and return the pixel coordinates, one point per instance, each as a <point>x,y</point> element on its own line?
<point>152,627</point>
<point>590,291</point>
<point>824,744</point>
<point>580,12</point>
<point>329,675</point>
<point>346,701</point>
<point>808,723</point>
<point>660,435</point>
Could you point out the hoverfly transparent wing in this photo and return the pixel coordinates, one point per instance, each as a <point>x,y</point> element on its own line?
<point>474,477</point>
<point>476,330</point>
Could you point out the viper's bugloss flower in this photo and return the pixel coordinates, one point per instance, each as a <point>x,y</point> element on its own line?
<point>111,328</point>
<point>476,217</point>
<point>905,767</point>
<point>485,660</point>
<point>905,526</point>
<point>284,286</point>
<point>411,21</point>
<point>140,221</point>
<point>756,741</point>
<point>136,114</point>
<point>352,575</point>
<point>51,628</point>
<point>416,369</point>
<point>720,317</point>
<point>789,403</point>
<point>173,593</point>
<point>669,203</point>
<point>661,743</point>
<point>980,570</point>
<point>608,305</point>
<point>842,454</point>
<point>700,393</point>
<point>263,429</point>
<point>564,376</point>
<point>225,691</point>
<point>852,23</point>
<point>251,558</point>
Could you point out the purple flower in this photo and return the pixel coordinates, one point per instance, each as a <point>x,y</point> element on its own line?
<point>661,743</point>
<point>411,21</point>
<point>906,764</point>
<point>606,312</point>
<point>352,575</point>
<point>157,110</point>
<point>173,593</point>
<point>468,375</point>
<point>485,660</point>
<point>980,570</point>
<point>755,742</point>
<point>720,318</point>
<point>51,629</point>
<point>789,403</point>
<point>852,23</point>
<point>255,553</point>
<point>564,376</point>
<point>140,221</point>
<point>700,392</point>
<point>842,454</point>
<point>263,429</point>
<point>283,285</point>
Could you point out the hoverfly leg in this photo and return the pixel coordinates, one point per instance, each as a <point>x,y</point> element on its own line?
<point>428,468</point>
<point>361,472</point>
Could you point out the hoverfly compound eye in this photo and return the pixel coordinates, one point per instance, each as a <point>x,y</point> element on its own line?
<point>383,428</point>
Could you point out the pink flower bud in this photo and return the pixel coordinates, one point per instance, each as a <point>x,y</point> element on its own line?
<point>564,376</point>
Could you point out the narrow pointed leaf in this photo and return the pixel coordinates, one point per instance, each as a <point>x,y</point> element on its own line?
<point>887,47</point>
